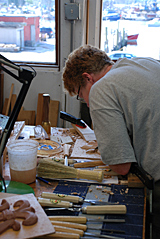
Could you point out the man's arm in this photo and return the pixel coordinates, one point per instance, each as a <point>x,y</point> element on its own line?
<point>122,169</point>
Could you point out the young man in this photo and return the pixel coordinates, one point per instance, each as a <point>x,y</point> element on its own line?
<point>124,102</point>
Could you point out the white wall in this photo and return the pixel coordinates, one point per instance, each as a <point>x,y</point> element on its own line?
<point>50,81</point>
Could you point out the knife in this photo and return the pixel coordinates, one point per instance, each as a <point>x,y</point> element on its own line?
<point>74,199</point>
<point>70,118</point>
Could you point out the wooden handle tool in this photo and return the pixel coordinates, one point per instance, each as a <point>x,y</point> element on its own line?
<point>63,235</point>
<point>63,197</point>
<point>106,209</point>
<point>74,219</point>
<point>66,148</point>
<point>70,224</point>
<point>83,220</point>
<point>68,230</point>
<point>88,164</point>
<point>45,202</point>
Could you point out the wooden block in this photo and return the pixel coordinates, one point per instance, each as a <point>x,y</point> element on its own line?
<point>39,109</point>
<point>134,181</point>
<point>27,116</point>
<point>53,112</point>
<point>5,106</point>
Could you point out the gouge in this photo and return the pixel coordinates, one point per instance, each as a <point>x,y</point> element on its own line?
<point>81,232</point>
<point>100,209</point>
<point>83,220</point>
<point>82,226</point>
<point>74,199</point>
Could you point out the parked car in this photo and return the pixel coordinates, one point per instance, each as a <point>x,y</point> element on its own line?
<point>47,30</point>
<point>115,55</point>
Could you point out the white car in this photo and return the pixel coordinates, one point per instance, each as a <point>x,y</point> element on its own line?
<point>115,55</point>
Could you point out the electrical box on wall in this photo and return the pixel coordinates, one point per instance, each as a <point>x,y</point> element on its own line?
<point>72,11</point>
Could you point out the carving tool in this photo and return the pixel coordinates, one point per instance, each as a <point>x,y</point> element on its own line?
<point>49,169</point>
<point>83,227</point>
<point>100,209</point>
<point>66,148</point>
<point>88,164</point>
<point>82,233</point>
<point>83,220</point>
<point>43,180</point>
<point>72,119</point>
<point>74,199</point>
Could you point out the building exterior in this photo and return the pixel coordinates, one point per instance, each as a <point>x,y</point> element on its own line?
<point>30,24</point>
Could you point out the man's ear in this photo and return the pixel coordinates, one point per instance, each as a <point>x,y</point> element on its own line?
<point>87,76</point>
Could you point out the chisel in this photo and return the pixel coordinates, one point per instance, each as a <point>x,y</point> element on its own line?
<point>83,220</point>
<point>94,210</point>
<point>74,199</point>
<point>82,226</point>
<point>81,232</point>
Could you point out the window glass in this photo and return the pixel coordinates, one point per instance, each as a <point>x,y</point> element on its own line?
<point>27,31</point>
<point>131,26</point>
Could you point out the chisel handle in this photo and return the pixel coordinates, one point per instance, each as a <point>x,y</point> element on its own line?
<point>63,197</point>
<point>105,209</point>
<point>88,164</point>
<point>68,230</point>
<point>90,174</point>
<point>63,235</point>
<point>74,219</point>
<point>45,202</point>
<point>70,224</point>
<point>66,148</point>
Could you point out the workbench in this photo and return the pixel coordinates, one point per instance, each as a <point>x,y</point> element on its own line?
<point>134,198</point>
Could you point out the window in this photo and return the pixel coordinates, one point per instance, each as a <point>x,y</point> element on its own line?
<point>28,31</point>
<point>132,27</point>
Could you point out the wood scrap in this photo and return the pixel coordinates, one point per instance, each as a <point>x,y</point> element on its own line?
<point>13,100</point>
<point>5,106</point>
<point>86,133</point>
<point>80,153</point>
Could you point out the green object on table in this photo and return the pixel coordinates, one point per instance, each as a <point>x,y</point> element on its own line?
<point>16,187</point>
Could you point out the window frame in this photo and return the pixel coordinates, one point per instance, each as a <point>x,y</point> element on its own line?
<point>56,64</point>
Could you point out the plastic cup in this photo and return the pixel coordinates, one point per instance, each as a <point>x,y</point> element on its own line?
<point>22,155</point>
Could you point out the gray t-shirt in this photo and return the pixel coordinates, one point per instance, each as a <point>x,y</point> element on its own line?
<point>125,110</point>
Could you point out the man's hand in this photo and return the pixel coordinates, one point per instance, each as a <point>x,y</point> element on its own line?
<point>122,169</point>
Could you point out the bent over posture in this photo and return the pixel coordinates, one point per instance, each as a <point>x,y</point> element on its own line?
<point>124,103</point>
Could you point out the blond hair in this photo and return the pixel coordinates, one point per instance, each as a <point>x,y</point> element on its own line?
<point>84,59</point>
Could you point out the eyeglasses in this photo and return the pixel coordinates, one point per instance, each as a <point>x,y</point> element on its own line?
<point>78,98</point>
